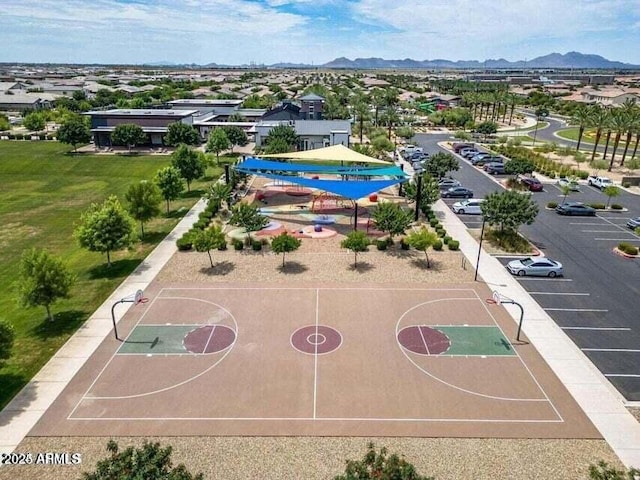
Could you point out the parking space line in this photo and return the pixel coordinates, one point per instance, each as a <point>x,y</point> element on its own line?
<point>560,293</point>
<point>628,350</point>
<point>600,231</point>
<point>545,279</point>
<point>637,239</point>
<point>619,227</point>
<point>614,329</point>
<point>575,310</point>
<point>586,223</point>
<point>627,375</point>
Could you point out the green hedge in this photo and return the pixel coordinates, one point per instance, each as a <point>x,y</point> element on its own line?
<point>628,248</point>
<point>454,245</point>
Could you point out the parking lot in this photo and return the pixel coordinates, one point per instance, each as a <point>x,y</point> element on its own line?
<point>597,302</point>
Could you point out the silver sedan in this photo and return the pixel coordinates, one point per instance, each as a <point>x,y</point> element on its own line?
<point>539,267</point>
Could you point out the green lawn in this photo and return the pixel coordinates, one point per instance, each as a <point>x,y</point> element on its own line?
<point>589,137</point>
<point>43,191</point>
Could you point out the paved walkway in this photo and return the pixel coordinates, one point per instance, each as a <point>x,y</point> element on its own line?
<point>22,413</point>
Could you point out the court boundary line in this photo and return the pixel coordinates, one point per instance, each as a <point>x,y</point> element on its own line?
<point>455,387</point>
<point>318,419</point>
<point>523,362</point>
<point>315,356</point>
<point>122,397</point>
<point>160,296</point>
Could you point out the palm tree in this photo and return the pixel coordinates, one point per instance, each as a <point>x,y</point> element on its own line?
<point>377,99</point>
<point>633,116</point>
<point>513,100</point>
<point>599,120</point>
<point>390,117</point>
<point>619,124</point>
<point>582,118</point>
<point>361,111</point>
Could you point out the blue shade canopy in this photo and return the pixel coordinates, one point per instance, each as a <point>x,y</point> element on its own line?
<point>352,189</point>
<point>258,166</point>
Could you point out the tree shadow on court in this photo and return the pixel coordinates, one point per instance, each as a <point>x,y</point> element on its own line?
<point>119,268</point>
<point>219,269</point>
<point>63,323</point>
<point>292,268</point>
<point>362,267</point>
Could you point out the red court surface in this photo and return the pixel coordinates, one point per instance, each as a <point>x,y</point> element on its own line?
<point>316,360</point>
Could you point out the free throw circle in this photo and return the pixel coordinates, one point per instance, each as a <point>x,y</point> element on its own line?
<point>314,339</point>
<point>423,340</point>
<point>209,339</point>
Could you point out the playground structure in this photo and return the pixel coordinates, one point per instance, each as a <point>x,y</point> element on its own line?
<point>326,202</point>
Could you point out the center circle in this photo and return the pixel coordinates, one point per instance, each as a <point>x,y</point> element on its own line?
<point>316,339</point>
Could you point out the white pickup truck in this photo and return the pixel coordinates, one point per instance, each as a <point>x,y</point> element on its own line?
<point>599,182</point>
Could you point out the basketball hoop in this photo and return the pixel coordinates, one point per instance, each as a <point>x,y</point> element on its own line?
<point>135,298</point>
<point>498,299</point>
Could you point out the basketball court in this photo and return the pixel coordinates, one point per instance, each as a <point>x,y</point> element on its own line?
<point>321,360</point>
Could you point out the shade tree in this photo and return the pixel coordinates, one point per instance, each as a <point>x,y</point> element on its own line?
<point>189,163</point>
<point>422,240</point>
<point>181,133</point>
<point>209,239</point>
<point>105,228</point>
<point>128,135</point>
<point>285,243</point>
<point>356,241</point>
<point>170,184</point>
<point>42,280</point>
<point>74,131</point>
<point>143,202</point>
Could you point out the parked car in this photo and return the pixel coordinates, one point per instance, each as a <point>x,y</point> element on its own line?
<point>567,182</point>
<point>457,192</point>
<point>533,184</point>
<point>494,168</point>
<point>538,267</point>
<point>448,183</point>
<point>409,150</point>
<point>470,153</point>
<point>460,146</point>
<point>417,156</point>
<point>480,159</point>
<point>575,208</point>
<point>599,182</point>
<point>470,206</point>
<point>634,223</point>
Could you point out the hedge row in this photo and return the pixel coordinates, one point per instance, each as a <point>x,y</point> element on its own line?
<point>185,242</point>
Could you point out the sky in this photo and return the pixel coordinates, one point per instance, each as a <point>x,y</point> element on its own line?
<point>235,32</point>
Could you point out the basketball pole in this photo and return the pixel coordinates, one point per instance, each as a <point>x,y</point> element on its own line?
<point>137,298</point>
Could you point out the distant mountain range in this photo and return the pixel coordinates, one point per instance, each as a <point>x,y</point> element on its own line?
<point>569,60</point>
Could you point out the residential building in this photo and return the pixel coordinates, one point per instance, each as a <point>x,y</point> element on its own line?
<point>312,133</point>
<point>311,107</point>
<point>19,101</point>
<point>154,123</point>
<point>609,97</point>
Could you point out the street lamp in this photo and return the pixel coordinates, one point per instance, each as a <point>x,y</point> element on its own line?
<point>535,132</point>
<point>418,171</point>
<point>484,220</point>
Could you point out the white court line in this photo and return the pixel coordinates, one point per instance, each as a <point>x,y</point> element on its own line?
<point>624,350</point>
<point>208,339</point>
<point>613,329</point>
<point>624,375</point>
<point>329,419</point>
<point>575,310</point>
<point>560,293</point>
<point>424,340</point>
<point>315,356</point>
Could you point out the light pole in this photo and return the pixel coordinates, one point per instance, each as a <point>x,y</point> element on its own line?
<point>535,132</point>
<point>475,278</point>
<point>418,172</point>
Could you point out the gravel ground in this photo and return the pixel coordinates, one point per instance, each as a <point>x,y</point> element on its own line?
<point>321,458</point>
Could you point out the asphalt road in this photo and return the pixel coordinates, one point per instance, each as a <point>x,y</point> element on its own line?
<point>597,302</point>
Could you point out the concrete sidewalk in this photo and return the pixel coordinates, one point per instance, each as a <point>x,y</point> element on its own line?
<point>22,413</point>
<point>593,392</point>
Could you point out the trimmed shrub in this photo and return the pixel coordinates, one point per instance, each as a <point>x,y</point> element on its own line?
<point>552,204</point>
<point>628,248</point>
<point>237,244</point>
<point>626,184</point>
<point>441,232</point>
<point>437,245</point>
<point>404,245</point>
<point>552,175</point>
<point>582,175</point>
<point>454,245</point>
<point>185,242</point>
<point>598,206</point>
<point>446,239</point>
<point>222,246</point>
<point>256,245</point>
<point>616,206</point>
<point>381,244</point>
<point>434,222</point>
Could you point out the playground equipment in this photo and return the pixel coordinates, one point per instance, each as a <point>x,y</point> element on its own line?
<point>326,201</point>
